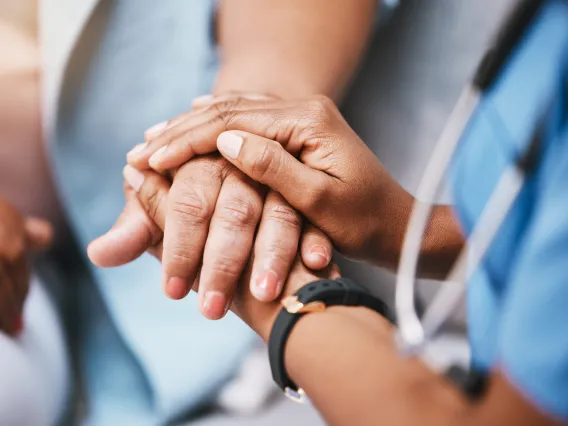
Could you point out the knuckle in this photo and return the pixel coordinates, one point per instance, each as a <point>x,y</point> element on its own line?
<point>278,253</point>
<point>224,265</point>
<point>238,213</point>
<point>154,200</point>
<point>318,117</point>
<point>191,207</point>
<point>181,258</point>
<point>225,111</point>
<point>266,163</point>
<point>208,165</point>
<point>283,214</point>
<point>320,105</point>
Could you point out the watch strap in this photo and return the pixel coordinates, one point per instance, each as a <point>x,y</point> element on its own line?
<point>316,296</point>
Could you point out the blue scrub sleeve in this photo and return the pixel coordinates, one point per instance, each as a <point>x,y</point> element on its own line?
<point>533,339</point>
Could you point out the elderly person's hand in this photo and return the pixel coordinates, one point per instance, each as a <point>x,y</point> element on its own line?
<point>214,213</point>
<point>307,152</point>
<point>19,235</point>
<point>153,196</point>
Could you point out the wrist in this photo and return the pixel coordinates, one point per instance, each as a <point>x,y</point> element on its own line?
<point>318,332</point>
<point>389,224</point>
<point>441,243</point>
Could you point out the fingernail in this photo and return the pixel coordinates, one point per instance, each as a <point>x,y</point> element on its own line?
<point>18,326</point>
<point>157,156</point>
<point>176,288</point>
<point>215,305</point>
<point>138,148</point>
<point>134,178</point>
<point>319,254</point>
<point>265,286</point>
<point>156,129</point>
<point>203,100</point>
<point>230,144</point>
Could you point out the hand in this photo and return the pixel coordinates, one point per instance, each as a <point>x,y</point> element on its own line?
<point>339,185</point>
<point>18,235</point>
<point>261,316</point>
<point>152,196</point>
<point>213,215</point>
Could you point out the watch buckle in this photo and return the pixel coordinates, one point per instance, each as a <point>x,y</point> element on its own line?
<point>293,305</point>
<point>298,396</point>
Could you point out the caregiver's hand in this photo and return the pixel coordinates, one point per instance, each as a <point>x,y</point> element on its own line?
<point>337,183</point>
<point>18,236</point>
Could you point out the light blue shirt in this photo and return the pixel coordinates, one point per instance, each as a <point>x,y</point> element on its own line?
<point>518,299</point>
<point>146,359</point>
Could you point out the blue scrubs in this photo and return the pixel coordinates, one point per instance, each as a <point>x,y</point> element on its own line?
<point>518,299</point>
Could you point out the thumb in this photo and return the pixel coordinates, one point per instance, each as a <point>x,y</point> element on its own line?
<point>267,162</point>
<point>39,233</point>
<point>128,239</point>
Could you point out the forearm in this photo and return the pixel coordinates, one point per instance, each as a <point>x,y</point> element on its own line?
<point>293,48</point>
<point>346,361</point>
<point>441,243</point>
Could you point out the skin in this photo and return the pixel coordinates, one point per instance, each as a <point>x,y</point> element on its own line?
<point>294,48</point>
<point>331,183</point>
<point>345,358</point>
<point>19,236</point>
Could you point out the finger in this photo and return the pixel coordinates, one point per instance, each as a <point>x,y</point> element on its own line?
<point>267,162</point>
<point>39,233</point>
<point>133,233</point>
<point>18,272</point>
<point>160,134</point>
<point>316,248</point>
<point>229,243</point>
<point>125,242</point>
<point>191,203</point>
<point>335,272</point>
<point>198,105</point>
<point>10,313</point>
<point>193,134</point>
<point>14,242</point>
<point>275,247</point>
<point>152,190</point>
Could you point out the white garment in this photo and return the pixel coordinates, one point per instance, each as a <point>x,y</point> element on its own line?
<point>34,370</point>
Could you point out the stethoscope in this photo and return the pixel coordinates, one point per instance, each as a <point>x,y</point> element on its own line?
<point>414,333</point>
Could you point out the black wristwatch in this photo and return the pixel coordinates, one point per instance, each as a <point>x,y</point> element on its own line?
<point>314,297</point>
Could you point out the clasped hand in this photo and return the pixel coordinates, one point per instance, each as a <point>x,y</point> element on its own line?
<point>289,174</point>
